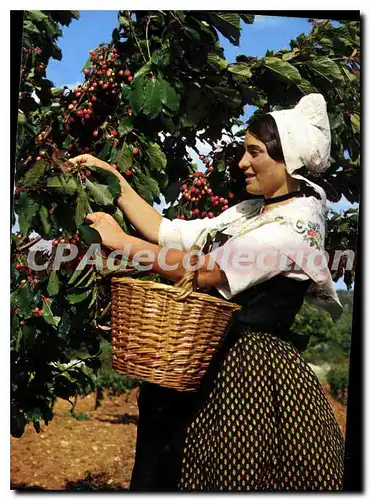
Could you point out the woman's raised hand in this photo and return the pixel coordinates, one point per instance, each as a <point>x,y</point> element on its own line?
<point>90,160</point>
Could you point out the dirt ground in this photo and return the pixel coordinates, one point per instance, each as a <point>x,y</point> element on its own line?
<point>87,455</point>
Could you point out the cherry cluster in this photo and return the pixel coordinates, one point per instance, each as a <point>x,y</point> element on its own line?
<point>198,197</point>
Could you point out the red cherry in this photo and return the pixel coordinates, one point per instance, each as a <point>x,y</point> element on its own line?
<point>184,187</point>
<point>94,98</point>
<point>73,241</point>
<point>46,299</point>
<point>40,313</point>
<point>88,173</point>
<point>225,202</point>
<point>105,86</point>
<point>135,150</point>
<point>195,212</point>
<point>22,323</point>
<point>211,215</point>
<point>94,84</point>
<point>114,166</point>
<point>87,116</point>
<point>95,133</point>
<point>36,310</point>
<point>90,104</point>
<point>92,53</point>
<point>101,58</point>
<point>130,78</point>
<point>210,169</point>
<point>203,215</point>
<point>86,71</point>
<point>113,132</point>
<point>128,172</point>
<point>224,208</point>
<point>121,72</point>
<point>127,72</point>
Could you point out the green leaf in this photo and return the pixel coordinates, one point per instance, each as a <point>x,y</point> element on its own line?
<point>144,70</point>
<point>355,121</point>
<point>45,221</point>
<point>94,297</point>
<point>240,70</point>
<point>228,24</point>
<point>84,277</point>
<point>147,187</point>
<point>76,273</point>
<point>124,158</point>
<point>83,207</point>
<point>169,96</point>
<point>220,166</point>
<point>105,150</point>
<point>119,217</point>
<point>153,98</point>
<point>157,159</point>
<point>48,315</point>
<point>228,96</point>
<point>306,87</point>
<point>137,97</point>
<point>67,141</point>
<point>34,174</point>
<point>247,18</point>
<point>172,191</point>
<point>57,91</point>
<point>288,56</point>
<point>110,178</point>
<point>36,16</point>
<point>26,301</point>
<point>53,284</point>
<point>326,68</point>
<point>216,62</point>
<point>89,234</point>
<point>63,184</point>
<point>126,125</point>
<point>28,209</point>
<point>282,68</point>
<point>21,118</point>
<point>99,193</point>
<point>76,298</point>
<point>161,58</point>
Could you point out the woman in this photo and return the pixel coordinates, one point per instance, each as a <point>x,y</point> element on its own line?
<point>260,420</point>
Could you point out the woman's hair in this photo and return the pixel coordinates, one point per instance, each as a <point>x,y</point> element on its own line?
<point>264,129</point>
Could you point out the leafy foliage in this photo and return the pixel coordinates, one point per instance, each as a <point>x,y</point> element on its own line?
<point>147,95</point>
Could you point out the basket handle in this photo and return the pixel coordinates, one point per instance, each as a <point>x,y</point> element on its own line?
<point>188,281</point>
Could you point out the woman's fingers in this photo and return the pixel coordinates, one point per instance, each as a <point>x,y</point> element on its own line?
<point>81,159</point>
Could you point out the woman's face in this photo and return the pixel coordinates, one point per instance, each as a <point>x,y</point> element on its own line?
<point>264,175</point>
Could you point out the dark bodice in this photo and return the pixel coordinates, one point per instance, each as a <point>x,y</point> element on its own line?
<point>271,306</point>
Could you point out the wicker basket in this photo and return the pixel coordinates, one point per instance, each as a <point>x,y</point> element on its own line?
<point>166,334</point>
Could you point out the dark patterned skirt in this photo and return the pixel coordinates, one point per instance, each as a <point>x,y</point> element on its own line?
<point>264,425</point>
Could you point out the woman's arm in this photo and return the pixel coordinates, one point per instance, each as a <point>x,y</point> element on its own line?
<point>170,263</point>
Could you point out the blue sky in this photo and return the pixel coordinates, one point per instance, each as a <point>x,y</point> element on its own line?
<point>95,27</point>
